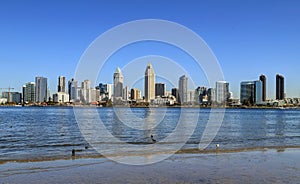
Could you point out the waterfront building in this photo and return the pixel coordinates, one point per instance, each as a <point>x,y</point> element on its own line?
<point>251,92</point>
<point>222,92</point>
<point>160,89</point>
<point>95,95</point>
<point>29,92</point>
<point>61,87</point>
<point>41,89</point>
<point>125,94</point>
<point>183,89</point>
<point>86,91</point>
<point>135,94</point>
<point>118,84</point>
<point>14,97</point>
<point>263,79</point>
<point>73,90</point>
<point>61,97</point>
<point>191,96</point>
<point>105,91</point>
<point>211,95</point>
<point>279,87</point>
<point>175,93</point>
<point>149,84</point>
<point>201,95</point>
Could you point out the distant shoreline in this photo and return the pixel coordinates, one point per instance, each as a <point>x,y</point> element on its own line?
<point>121,106</point>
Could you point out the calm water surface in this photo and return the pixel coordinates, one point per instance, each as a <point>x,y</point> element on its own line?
<point>43,133</point>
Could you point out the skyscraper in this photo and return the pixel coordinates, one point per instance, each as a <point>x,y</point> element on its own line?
<point>175,93</point>
<point>29,92</point>
<point>201,92</point>
<point>105,90</point>
<point>41,89</point>
<point>118,84</point>
<point>160,89</point>
<point>125,94</point>
<point>251,92</point>
<point>263,79</point>
<point>183,89</point>
<point>86,91</point>
<point>149,83</point>
<point>73,91</point>
<point>61,84</point>
<point>222,92</point>
<point>135,94</point>
<point>279,87</point>
<point>211,95</point>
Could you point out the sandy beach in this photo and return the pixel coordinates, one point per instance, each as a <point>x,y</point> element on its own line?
<point>268,166</point>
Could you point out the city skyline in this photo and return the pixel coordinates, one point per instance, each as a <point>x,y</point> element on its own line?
<point>264,42</point>
<point>251,92</point>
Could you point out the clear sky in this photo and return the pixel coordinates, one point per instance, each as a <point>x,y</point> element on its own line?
<point>249,38</point>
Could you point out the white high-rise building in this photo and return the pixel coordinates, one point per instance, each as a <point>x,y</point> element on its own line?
<point>118,84</point>
<point>149,85</point>
<point>86,91</point>
<point>125,94</point>
<point>222,92</point>
<point>183,89</point>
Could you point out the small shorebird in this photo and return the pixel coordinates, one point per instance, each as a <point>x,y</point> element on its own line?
<point>217,146</point>
<point>152,138</point>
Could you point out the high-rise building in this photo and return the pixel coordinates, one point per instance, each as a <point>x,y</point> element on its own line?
<point>23,93</point>
<point>105,90</point>
<point>61,84</point>
<point>279,87</point>
<point>247,94</point>
<point>160,89</point>
<point>125,93</point>
<point>174,92</point>
<point>73,90</point>
<point>118,84</point>
<point>222,92</point>
<point>135,94</point>
<point>211,95</point>
<point>86,91</point>
<point>191,96</point>
<point>29,92</point>
<point>201,93</point>
<point>149,83</point>
<point>251,92</point>
<point>183,89</point>
<point>41,89</point>
<point>263,79</point>
<point>258,92</point>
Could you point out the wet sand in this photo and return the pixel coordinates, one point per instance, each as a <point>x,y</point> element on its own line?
<point>264,166</point>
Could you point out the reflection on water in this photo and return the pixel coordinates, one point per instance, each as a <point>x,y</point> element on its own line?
<point>29,132</point>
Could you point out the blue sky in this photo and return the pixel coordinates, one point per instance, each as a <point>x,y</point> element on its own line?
<point>249,38</point>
